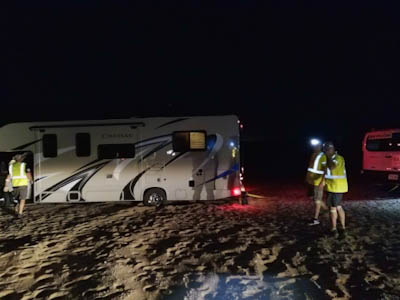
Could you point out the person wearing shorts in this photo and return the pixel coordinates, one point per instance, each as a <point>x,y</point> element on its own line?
<point>336,186</point>
<point>316,181</point>
<point>20,177</point>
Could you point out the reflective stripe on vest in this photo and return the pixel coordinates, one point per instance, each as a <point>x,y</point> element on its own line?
<point>314,169</point>
<point>21,171</point>
<point>330,176</point>
<point>21,179</point>
<point>336,179</point>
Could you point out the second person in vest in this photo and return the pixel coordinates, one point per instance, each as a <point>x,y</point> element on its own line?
<point>336,186</point>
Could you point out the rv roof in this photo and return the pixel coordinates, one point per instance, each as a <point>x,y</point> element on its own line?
<point>384,130</point>
<point>132,124</point>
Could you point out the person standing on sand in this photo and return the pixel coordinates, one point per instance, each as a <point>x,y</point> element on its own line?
<point>315,179</point>
<point>336,186</point>
<point>20,177</point>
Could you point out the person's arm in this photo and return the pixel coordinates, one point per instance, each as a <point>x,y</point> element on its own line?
<point>29,175</point>
<point>322,184</point>
<point>331,163</point>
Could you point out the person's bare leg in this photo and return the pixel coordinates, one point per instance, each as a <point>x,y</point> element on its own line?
<point>21,206</point>
<point>318,195</point>
<point>333,217</point>
<point>323,205</point>
<point>342,216</point>
<point>317,209</point>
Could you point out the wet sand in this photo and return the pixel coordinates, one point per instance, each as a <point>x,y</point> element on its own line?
<point>224,250</point>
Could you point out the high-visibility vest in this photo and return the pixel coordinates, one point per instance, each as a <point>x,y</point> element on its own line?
<point>336,179</point>
<point>18,174</point>
<point>316,169</point>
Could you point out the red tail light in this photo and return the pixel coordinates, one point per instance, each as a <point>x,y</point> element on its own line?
<point>236,192</point>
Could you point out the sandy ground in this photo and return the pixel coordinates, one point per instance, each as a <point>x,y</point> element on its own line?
<point>202,251</point>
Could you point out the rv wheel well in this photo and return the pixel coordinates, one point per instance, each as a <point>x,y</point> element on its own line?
<point>155,189</point>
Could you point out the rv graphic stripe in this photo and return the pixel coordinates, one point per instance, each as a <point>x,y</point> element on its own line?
<point>26,145</point>
<point>154,138</point>
<point>234,169</point>
<point>78,187</point>
<point>82,175</point>
<point>156,149</point>
<point>138,145</point>
<point>40,178</point>
<point>172,122</point>
<point>88,164</point>
<point>175,158</point>
<point>128,191</point>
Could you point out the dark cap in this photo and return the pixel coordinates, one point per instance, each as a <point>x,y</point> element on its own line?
<point>329,145</point>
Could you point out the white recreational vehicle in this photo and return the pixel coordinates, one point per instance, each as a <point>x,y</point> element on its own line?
<point>138,159</point>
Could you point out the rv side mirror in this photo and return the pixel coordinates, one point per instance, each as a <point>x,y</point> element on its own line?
<point>183,141</point>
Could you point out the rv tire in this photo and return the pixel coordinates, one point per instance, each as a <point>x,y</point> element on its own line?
<point>154,197</point>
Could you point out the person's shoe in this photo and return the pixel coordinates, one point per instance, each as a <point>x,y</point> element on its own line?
<point>334,233</point>
<point>314,222</point>
<point>343,232</point>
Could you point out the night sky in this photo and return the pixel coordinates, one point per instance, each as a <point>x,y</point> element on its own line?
<point>289,71</point>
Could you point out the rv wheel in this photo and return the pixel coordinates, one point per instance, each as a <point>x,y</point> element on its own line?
<point>154,197</point>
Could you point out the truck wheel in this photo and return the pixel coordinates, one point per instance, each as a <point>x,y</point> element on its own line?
<point>154,197</point>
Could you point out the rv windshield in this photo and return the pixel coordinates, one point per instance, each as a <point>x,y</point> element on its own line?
<point>388,144</point>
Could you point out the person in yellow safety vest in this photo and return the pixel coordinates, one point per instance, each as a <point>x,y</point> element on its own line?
<point>336,186</point>
<point>20,178</point>
<point>315,179</point>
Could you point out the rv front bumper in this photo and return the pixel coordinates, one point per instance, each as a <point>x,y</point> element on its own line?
<point>382,176</point>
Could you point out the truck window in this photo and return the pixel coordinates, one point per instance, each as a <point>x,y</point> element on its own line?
<point>49,145</point>
<point>388,144</point>
<point>111,151</point>
<point>82,141</point>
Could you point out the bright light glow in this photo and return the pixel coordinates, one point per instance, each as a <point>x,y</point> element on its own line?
<point>232,144</point>
<point>173,154</point>
<point>169,152</point>
<point>236,192</point>
<point>315,142</point>
<point>241,126</point>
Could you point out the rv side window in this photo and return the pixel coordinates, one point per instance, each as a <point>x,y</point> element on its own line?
<point>111,151</point>
<point>183,141</point>
<point>82,141</point>
<point>49,144</point>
